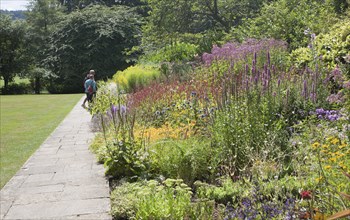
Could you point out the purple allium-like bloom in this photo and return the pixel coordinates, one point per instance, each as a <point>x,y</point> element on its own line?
<point>320,111</point>
<point>313,36</point>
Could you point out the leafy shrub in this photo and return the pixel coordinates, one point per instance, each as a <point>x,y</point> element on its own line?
<point>124,199</point>
<point>287,20</point>
<point>126,159</point>
<point>332,48</point>
<point>189,160</point>
<point>136,77</point>
<point>17,89</point>
<point>170,199</point>
<point>178,52</point>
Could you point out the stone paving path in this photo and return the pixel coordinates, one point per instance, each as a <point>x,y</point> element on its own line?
<point>62,179</point>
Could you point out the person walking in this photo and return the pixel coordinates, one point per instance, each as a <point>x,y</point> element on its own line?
<point>90,89</point>
<point>89,76</point>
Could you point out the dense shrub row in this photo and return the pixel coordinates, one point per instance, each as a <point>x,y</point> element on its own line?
<point>17,89</point>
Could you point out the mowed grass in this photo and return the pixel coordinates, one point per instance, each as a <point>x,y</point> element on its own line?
<point>25,122</point>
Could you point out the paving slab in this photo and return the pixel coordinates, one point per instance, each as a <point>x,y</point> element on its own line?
<point>62,179</point>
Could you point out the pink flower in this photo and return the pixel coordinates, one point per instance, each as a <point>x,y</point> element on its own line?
<point>306,194</point>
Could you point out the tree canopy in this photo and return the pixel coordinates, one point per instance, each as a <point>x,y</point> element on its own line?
<point>96,37</point>
<point>12,58</point>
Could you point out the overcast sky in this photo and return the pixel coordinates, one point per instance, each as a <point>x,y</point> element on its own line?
<point>12,5</point>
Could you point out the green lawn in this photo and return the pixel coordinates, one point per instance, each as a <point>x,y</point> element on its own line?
<point>25,122</point>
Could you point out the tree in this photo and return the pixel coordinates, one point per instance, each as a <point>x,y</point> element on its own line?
<point>12,59</point>
<point>72,5</point>
<point>93,38</point>
<point>170,21</point>
<point>288,20</point>
<point>41,19</point>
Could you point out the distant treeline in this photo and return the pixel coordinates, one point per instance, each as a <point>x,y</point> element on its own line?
<point>19,14</point>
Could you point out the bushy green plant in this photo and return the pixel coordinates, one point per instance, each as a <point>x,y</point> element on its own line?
<point>135,77</point>
<point>124,199</point>
<point>331,48</point>
<point>17,89</point>
<point>189,159</point>
<point>224,193</point>
<point>170,199</point>
<point>287,20</point>
<point>126,159</point>
<point>177,52</point>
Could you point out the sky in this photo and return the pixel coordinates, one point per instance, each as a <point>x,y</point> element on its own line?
<point>13,5</point>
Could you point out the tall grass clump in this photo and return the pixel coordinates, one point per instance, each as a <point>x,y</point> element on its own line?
<point>136,77</point>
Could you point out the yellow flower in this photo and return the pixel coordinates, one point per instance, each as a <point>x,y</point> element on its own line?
<point>333,159</point>
<point>339,155</point>
<point>341,165</point>
<point>342,146</point>
<point>327,167</point>
<point>335,141</point>
<point>325,146</point>
<point>315,145</point>
<point>319,179</point>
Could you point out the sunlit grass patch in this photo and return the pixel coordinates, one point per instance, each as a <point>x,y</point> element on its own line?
<point>26,121</point>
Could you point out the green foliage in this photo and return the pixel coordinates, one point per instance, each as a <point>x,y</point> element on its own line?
<point>287,20</point>
<point>322,159</point>
<point>12,46</point>
<point>200,22</point>
<point>122,155</point>
<point>246,129</point>
<point>74,5</point>
<point>225,193</point>
<point>170,199</point>
<point>125,160</point>
<point>174,53</point>
<point>302,57</point>
<point>17,89</point>
<point>136,77</point>
<point>124,199</point>
<point>41,20</point>
<point>334,46</point>
<point>93,38</point>
<point>189,159</point>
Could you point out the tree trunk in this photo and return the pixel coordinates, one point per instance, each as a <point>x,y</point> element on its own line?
<point>37,85</point>
<point>6,83</point>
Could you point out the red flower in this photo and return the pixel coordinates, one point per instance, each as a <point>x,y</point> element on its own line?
<point>306,194</point>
